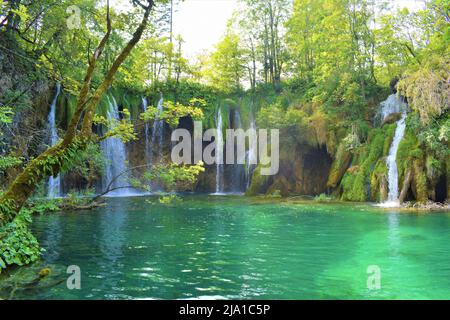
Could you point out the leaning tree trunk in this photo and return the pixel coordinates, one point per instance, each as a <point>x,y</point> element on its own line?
<point>51,161</point>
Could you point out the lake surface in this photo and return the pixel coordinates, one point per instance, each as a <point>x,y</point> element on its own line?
<point>239,248</point>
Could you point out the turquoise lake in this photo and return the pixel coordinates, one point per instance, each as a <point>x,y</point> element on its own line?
<point>231,247</point>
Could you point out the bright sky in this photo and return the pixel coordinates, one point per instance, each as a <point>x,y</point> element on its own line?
<point>202,23</point>
<point>410,4</point>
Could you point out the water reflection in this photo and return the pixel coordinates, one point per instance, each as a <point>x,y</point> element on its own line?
<point>234,247</point>
<point>112,240</point>
<point>394,232</point>
<point>52,239</point>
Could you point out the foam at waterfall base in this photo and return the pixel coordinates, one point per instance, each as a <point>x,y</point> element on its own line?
<point>125,193</point>
<point>227,194</point>
<point>389,204</point>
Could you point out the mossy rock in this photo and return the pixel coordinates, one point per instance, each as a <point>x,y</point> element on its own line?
<point>339,167</point>
<point>408,150</point>
<point>378,181</point>
<point>392,118</point>
<point>259,183</point>
<point>420,182</point>
<point>358,181</point>
<point>280,187</point>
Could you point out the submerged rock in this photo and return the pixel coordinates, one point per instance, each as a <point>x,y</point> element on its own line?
<point>428,206</point>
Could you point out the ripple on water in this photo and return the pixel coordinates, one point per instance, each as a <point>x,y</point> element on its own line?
<point>232,249</point>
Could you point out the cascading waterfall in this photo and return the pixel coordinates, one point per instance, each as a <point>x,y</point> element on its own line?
<point>252,154</point>
<point>238,175</point>
<point>116,175</point>
<point>219,152</point>
<point>391,161</point>
<point>394,105</point>
<point>54,183</point>
<point>158,132</point>
<point>148,149</point>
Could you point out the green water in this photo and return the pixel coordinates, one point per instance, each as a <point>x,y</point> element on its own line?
<point>239,248</point>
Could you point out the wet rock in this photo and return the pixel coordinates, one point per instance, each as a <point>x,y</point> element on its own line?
<point>392,118</point>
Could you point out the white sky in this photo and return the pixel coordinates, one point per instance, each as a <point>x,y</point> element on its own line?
<point>202,23</point>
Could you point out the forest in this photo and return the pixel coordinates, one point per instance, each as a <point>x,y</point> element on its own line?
<point>90,93</point>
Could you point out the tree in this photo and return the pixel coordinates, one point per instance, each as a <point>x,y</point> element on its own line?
<point>54,158</point>
<point>227,65</point>
<point>268,18</point>
<point>7,161</point>
<point>332,46</point>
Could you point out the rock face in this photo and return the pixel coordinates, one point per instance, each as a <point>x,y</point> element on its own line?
<point>303,171</point>
<point>28,92</point>
<point>392,118</point>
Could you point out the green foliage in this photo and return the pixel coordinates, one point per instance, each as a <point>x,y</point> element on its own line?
<point>424,151</point>
<point>259,183</point>
<point>275,194</point>
<point>323,198</point>
<point>170,200</point>
<point>174,111</point>
<point>408,150</point>
<point>174,177</point>
<point>42,206</point>
<point>420,181</point>
<point>331,43</point>
<point>6,115</point>
<point>7,161</point>
<point>428,89</point>
<point>226,64</point>
<point>379,173</point>
<point>88,164</point>
<point>17,245</point>
<point>335,60</point>
<point>339,166</point>
<point>76,199</point>
<point>358,179</point>
<point>122,129</point>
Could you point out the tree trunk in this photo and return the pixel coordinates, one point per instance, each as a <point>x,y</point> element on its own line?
<point>52,160</point>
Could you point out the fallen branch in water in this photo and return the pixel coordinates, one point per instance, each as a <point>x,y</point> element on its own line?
<point>88,206</point>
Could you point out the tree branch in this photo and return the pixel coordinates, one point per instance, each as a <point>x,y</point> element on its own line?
<point>87,121</point>
<point>83,95</point>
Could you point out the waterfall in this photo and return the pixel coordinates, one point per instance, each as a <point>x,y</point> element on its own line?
<point>252,154</point>
<point>391,161</point>
<point>219,152</point>
<point>391,105</point>
<point>115,152</point>
<point>158,132</point>
<point>238,174</point>
<point>148,148</point>
<point>394,105</point>
<point>54,183</point>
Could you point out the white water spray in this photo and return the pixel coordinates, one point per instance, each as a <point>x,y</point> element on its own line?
<point>114,150</point>
<point>148,149</point>
<point>158,132</point>
<point>252,154</point>
<point>219,153</point>
<point>394,105</point>
<point>54,183</point>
